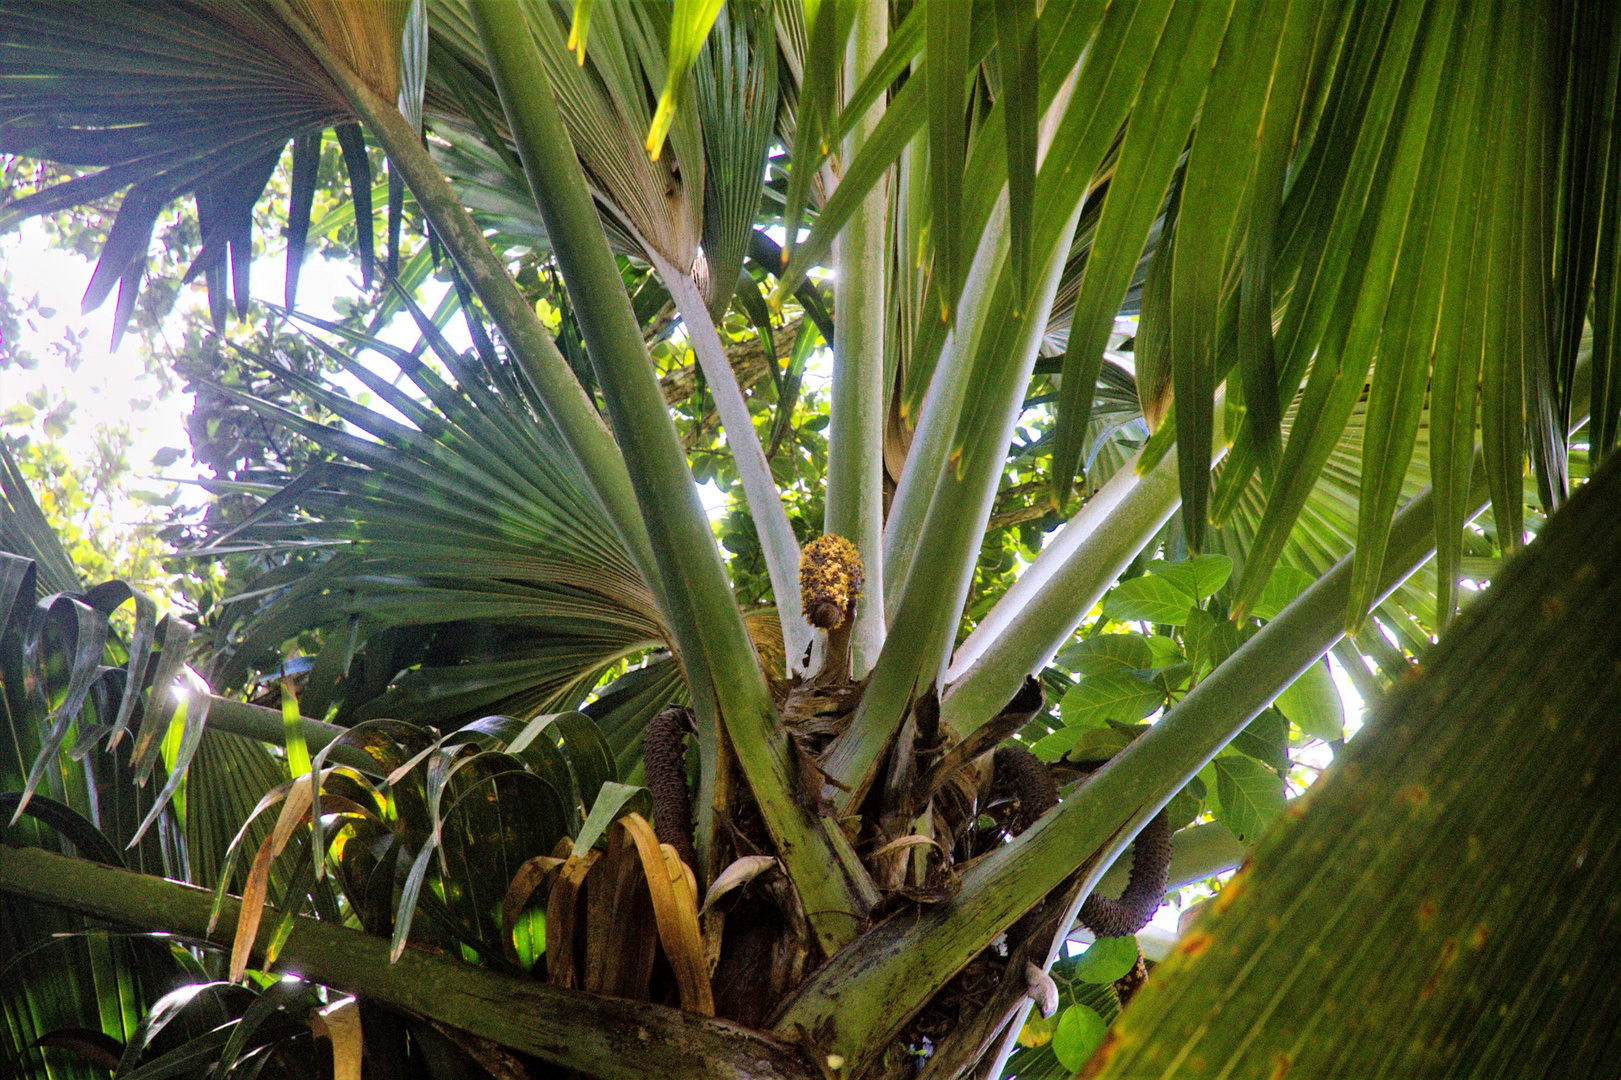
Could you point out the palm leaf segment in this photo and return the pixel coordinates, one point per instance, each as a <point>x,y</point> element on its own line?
<point>459,545</point>
<point>207,97</point>
<point>426,855</point>
<point>71,990</point>
<point>692,209</point>
<point>175,98</point>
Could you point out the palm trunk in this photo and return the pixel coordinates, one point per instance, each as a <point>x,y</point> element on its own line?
<point>727,686</point>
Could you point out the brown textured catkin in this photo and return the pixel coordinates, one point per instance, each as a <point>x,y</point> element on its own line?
<point>1126,987</point>
<point>666,756</point>
<point>1150,871</point>
<point>1022,775</point>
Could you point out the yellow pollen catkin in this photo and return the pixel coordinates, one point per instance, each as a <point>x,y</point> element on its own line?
<point>829,580</point>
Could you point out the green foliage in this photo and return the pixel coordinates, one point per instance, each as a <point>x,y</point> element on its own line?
<point>1250,794</point>
<point>1123,677</point>
<point>1313,704</point>
<point>1080,1031</point>
<point>86,502</point>
<point>1094,1005</point>
<point>1106,960</point>
<point>1331,271</point>
<point>1458,841</point>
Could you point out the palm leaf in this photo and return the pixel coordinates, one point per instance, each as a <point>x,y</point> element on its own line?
<point>1478,754</point>
<point>466,555</point>
<point>206,98</point>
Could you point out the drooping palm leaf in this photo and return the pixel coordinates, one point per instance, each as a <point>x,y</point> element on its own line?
<point>71,996</point>
<point>1481,770</point>
<point>207,98</point>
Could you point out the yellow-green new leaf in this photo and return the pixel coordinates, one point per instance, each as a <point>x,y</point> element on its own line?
<point>689,25</point>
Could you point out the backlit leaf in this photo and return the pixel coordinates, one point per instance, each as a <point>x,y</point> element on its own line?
<point>1107,959</point>
<point>1080,1031</point>
<point>1201,575</point>
<point>1149,599</point>
<point>1312,703</point>
<point>1251,796</point>
<point>1109,696</point>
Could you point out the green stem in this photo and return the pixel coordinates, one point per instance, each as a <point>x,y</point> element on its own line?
<point>777,541</point>
<point>870,990</point>
<point>568,1028</point>
<point>942,409</point>
<point>943,566</point>
<point>266,725</point>
<point>723,675</point>
<point>1447,903</point>
<point>568,406</point>
<point>1076,567</point>
<point>855,444</point>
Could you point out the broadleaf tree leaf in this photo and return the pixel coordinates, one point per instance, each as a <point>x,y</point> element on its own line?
<point>1166,651</point>
<point>1212,797</point>
<point>1106,652</point>
<point>1109,696</point>
<point>1196,634</point>
<point>1081,744</point>
<point>1312,703</point>
<point>1080,1031</point>
<point>1266,739</point>
<point>1282,586</point>
<point>1106,959</point>
<point>1149,599</point>
<point>1201,575</point>
<point>1251,796</point>
<point>1186,805</point>
<point>1226,636</point>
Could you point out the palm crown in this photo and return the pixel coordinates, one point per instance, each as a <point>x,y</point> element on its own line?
<point>1340,229</point>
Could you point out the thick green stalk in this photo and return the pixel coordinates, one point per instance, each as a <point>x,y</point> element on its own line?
<point>266,725</point>
<point>943,565</point>
<point>568,406</point>
<point>942,408</point>
<point>777,541</point>
<point>723,674</point>
<point>1449,902</point>
<point>855,445</point>
<point>960,477</point>
<point>598,1036</point>
<point>936,438</point>
<point>1076,567</point>
<point>866,993</point>
<point>1197,853</point>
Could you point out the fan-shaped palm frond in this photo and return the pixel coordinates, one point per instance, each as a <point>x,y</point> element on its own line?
<point>443,826</point>
<point>74,992</point>
<point>693,207</point>
<point>207,98</point>
<point>453,557</point>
